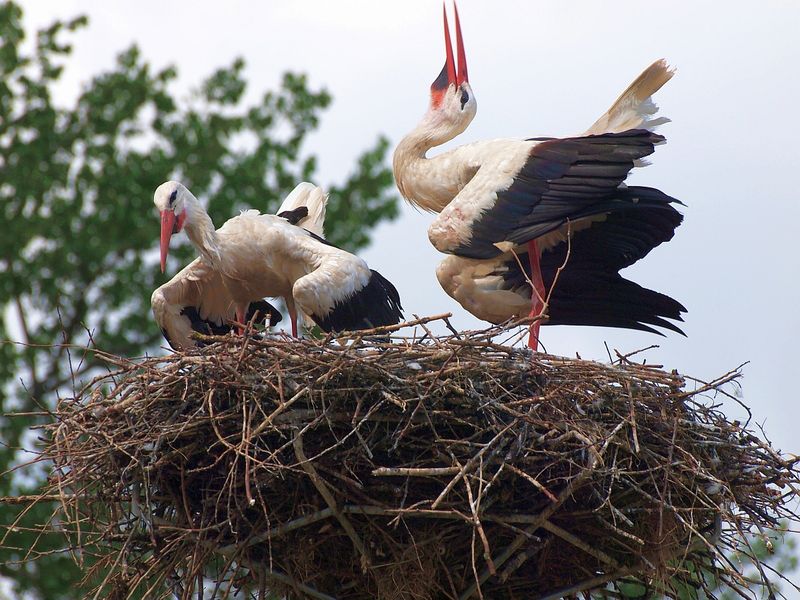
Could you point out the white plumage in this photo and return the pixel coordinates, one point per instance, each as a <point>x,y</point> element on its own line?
<point>503,197</point>
<point>258,255</point>
<point>196,299</point>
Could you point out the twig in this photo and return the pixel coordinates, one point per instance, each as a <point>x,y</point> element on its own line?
<point>470,464</point>
<point>414,471</point>
<point>589,584</point>
<point>578,543</point>
<point>306,465</point>
<point>389,328</point>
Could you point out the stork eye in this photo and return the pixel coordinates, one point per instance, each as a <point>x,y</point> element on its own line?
<point>464,98</point>
<point>172,197</point>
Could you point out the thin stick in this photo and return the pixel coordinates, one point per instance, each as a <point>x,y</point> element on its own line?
<point>414,471</point>
<point>578,543</point>
<point>306,465</point>
<point>589,584</point>
<point>470,464</point>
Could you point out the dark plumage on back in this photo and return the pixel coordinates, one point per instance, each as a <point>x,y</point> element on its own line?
<point>258,312</point>
<point>296,215</point>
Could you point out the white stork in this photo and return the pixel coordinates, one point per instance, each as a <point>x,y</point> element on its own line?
<point>256,255</point>
<point>507,202</point>
<point>196,299</point>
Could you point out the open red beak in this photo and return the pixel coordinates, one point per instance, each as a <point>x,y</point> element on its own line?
<point>462,57</point>
<point>449,64</point>
<point>449,70</point>
<point>167,225</point>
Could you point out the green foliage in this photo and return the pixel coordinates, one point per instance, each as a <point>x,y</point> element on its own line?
<point>79,231</point>
<point>779,557</point>
<point>776,557</point>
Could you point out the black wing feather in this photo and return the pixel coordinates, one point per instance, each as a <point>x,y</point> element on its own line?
<point>563,180</point>
<point>590,290</point>
<point>375,305</point>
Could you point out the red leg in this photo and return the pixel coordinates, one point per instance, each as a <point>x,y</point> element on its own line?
<point>293,319</point>
<point>240,317</point>
<point>537,294</point>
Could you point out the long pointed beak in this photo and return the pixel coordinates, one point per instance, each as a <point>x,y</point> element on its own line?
<point>462,57</point>
<point>450,64</point>
<point>167,226</point>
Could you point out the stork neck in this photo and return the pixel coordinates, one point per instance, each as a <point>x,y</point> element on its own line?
<point>432,131</point>
<point>418,180</point>
<point>410,155</point>
<point>201,232</point>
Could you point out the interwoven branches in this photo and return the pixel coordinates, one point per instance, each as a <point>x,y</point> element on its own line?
<point>439,468</point>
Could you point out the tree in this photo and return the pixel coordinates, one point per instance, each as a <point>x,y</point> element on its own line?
<point>77,249</point>
<point>764,563</point>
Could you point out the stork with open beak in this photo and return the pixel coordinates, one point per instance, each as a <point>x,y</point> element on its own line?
<point>256,255</point>
<point>509,209</point>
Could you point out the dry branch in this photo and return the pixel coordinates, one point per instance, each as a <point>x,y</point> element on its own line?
<point>403,468</point>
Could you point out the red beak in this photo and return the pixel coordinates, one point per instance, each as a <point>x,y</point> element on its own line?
<point>448,76</point>
<point>449,64</point>
<point>167,225</point>
<point>462,57</point>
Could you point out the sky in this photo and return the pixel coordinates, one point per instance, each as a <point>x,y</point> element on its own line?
<point>546,68</point>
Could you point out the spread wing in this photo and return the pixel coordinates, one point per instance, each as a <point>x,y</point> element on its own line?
<point>571,180</point>
<point>589,289</point>
<point>196,300</point>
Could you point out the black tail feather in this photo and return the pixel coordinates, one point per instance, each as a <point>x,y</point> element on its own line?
<point>610,300</point>
<point>375,305</point>
<point>589,289</point>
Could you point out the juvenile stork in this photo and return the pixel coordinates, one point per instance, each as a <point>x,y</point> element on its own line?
<point>256,255</point>
<point>507,203</point>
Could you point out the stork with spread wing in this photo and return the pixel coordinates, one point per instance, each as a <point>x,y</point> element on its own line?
<point>511,210</point>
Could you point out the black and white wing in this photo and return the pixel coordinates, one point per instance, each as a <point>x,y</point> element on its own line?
<point>589,289</point>
<point>553,182</point>
<point>341,293</point>
<point>195,300</point>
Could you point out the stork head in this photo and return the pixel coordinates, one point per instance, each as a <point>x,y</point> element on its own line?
<point>451,94</point>
<point>171,199</point>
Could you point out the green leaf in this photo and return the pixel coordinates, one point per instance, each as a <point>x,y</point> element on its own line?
<point>78,254</point>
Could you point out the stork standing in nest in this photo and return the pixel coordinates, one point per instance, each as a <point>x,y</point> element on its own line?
<point>512,211</point>
<point>256,255</point>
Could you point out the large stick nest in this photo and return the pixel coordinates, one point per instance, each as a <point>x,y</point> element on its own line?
<point>412,468</point>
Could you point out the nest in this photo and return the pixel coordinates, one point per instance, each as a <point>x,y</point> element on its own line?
<point>403,468</point>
